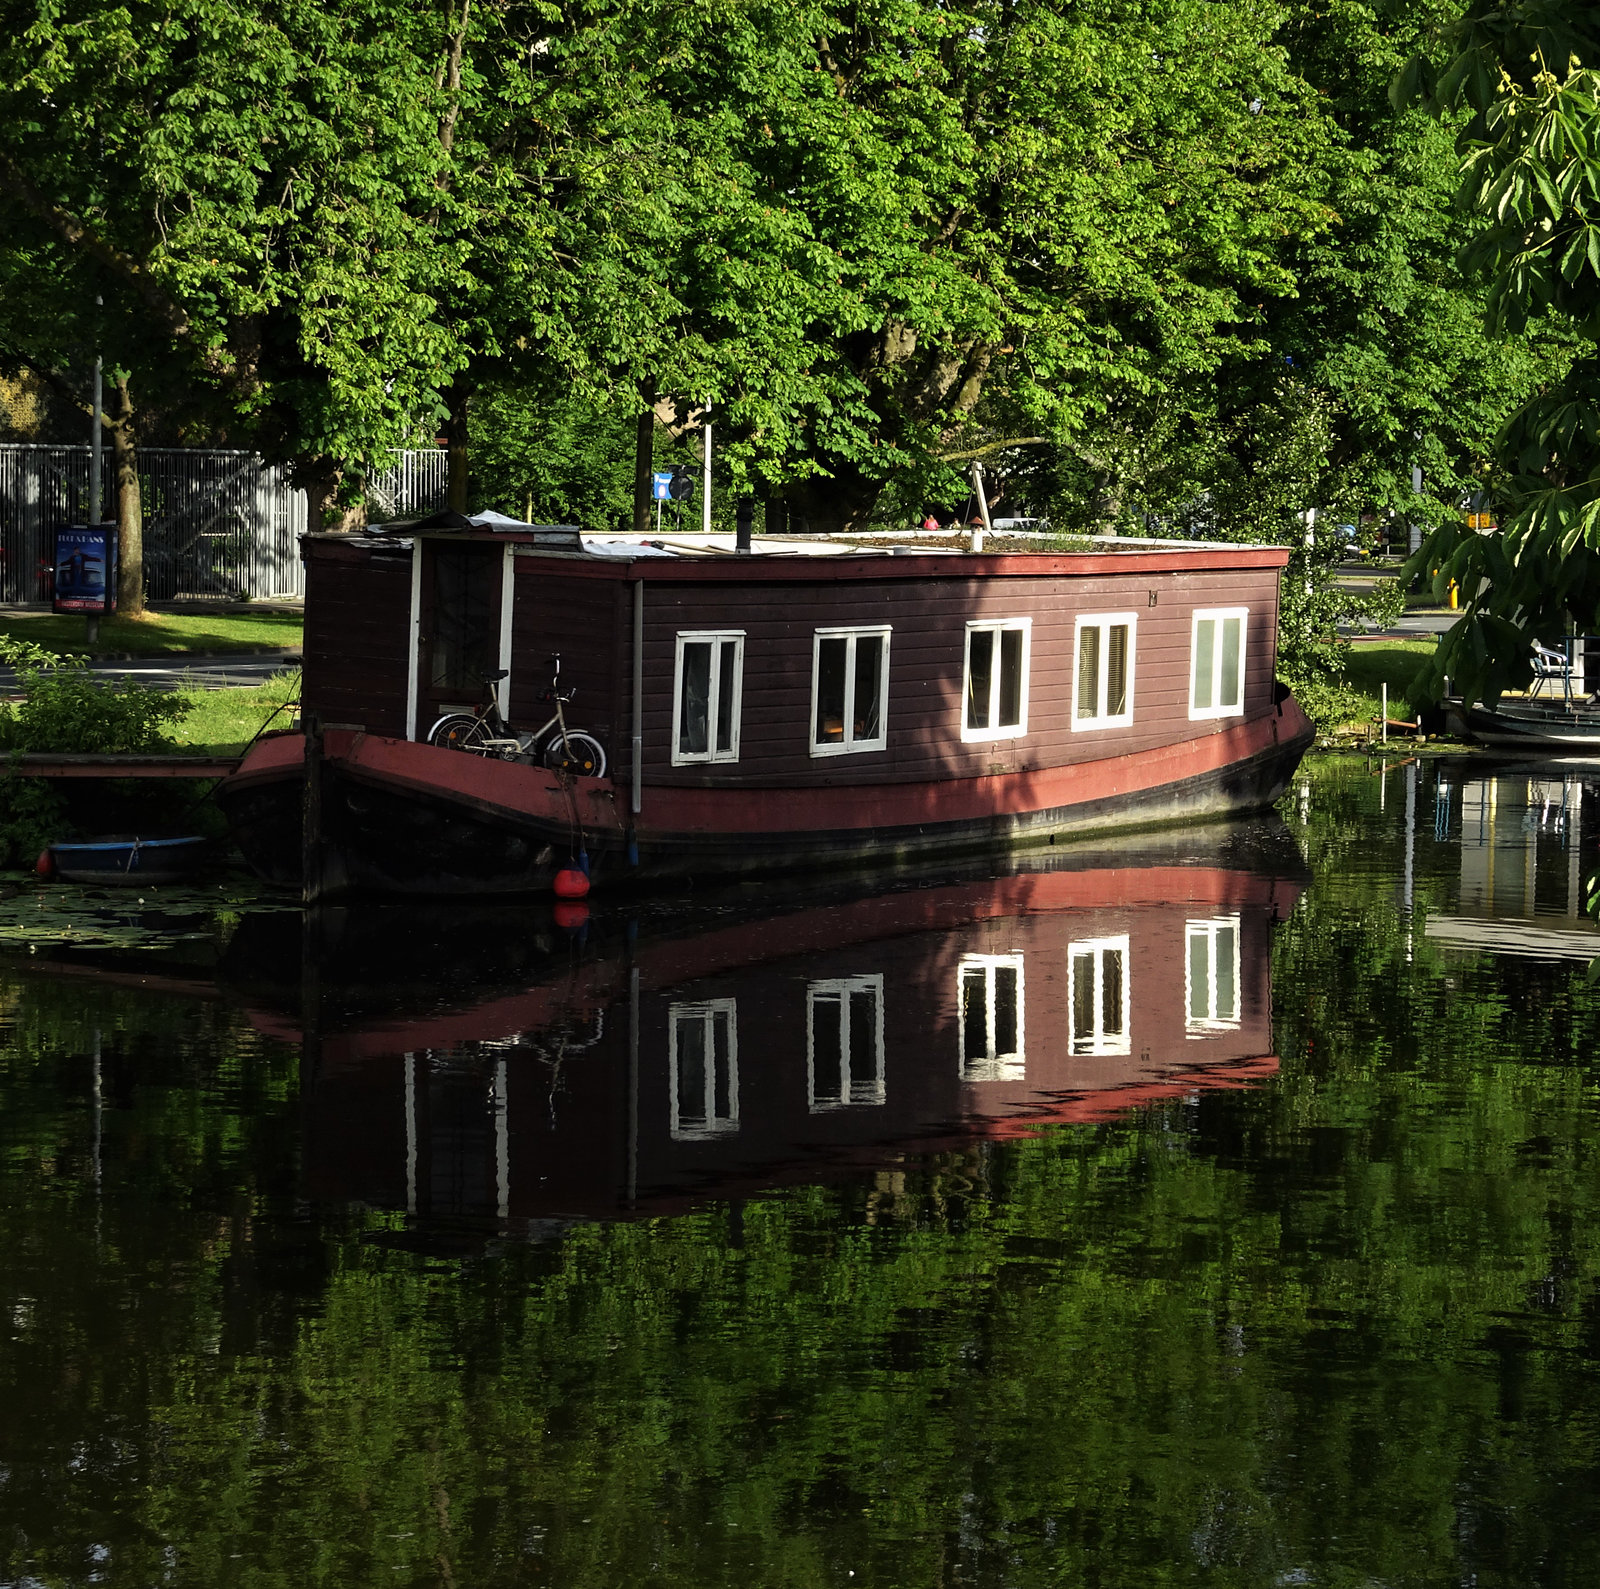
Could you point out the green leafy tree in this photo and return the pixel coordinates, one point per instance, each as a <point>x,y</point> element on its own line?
<point>1530,188</point>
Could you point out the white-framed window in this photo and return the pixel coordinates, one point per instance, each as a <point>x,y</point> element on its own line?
<point>844,1043</point>
<point>708,681</point>
<point>990,1026</point>
<point>1102,670</point>
<point>1211,976</point>
<point>994,689</point>
<point>703,1069</point>
<point>849,690</point>
<point>1216,662</point>
<point>1097,996</point>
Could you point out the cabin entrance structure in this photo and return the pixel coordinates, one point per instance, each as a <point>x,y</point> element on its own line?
<point>463,632</point>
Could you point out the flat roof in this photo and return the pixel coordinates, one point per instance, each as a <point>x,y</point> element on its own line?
<point>1003,550</point>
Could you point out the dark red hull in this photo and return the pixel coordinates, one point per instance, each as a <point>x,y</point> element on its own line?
<point>405,818</point>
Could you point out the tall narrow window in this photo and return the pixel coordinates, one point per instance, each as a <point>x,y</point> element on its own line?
<point>703,1070</point>
<point>1211,976</point>
<point>991,1018</point>
<point>1103,674</point>
<point>1097,997</point>
<point>844,1043</point>
<point>1216,663</point>
<point>849,691</point>
<point>996,693</point>
<point>705,711</point>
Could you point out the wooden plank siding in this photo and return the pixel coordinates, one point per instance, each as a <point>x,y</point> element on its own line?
<point>357,644</point>
<point>579,619</point>
<point>357,655</point>
<point>926,656</point>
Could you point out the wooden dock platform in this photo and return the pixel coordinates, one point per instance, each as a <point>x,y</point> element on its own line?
<point>45,764</point>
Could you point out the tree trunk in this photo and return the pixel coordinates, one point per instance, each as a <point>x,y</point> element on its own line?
<point>644,463</point>
<point>456,456</point>
<point>130,509</point>
<point>323,481</point>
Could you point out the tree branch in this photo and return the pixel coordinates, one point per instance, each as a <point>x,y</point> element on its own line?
<point>76,234</point>
<point>993,446</point>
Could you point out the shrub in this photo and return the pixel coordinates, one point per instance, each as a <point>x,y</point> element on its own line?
<point>65,708</point>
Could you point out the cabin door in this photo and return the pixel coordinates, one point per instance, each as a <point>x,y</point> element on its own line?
<point>460,627</point>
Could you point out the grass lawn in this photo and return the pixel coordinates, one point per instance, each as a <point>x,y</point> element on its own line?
<point>225,721</point>
<point>1369,664</point>
<point>160,634</point>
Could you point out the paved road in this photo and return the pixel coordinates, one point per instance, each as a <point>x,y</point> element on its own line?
<point>171,673</point>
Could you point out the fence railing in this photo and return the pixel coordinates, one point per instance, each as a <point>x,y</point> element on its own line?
<point>217,524</point>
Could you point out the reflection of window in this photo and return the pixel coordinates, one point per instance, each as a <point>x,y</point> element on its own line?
<point>705,712</point>
<point>844,1042</point>
<point>1216,663</point>
<point>996,691</point>
<point>849,691</point>
<point>1097,996</point>
<point>1103,672</point>
<point>703,1070</point>
<point>991,1018</point>
<point>1211,975</point>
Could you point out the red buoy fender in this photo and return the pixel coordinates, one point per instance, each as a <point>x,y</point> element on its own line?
<point>570,883</point>
<point>45,866</point>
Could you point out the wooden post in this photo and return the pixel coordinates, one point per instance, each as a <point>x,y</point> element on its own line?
<point>311,815</point>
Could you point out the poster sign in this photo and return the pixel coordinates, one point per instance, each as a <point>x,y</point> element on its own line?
<point>86,568</point>
<point>662,485</point>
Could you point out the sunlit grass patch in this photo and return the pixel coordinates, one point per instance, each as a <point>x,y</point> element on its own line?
<point>1370,664</point>
<point>227,720</point>
<point>161,634</point>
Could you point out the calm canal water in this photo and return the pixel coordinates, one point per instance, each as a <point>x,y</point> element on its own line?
<point>1219,1208</point>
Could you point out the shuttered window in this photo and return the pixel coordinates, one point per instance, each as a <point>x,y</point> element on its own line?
<point>1216,662</point>
<point>990,1027</point>
<point>1102,692</point>
<point>849,691</point>
<point>1211,976</point>
<point>1097,997</point>
<point>709,681</point>
<point>703,1070</point>
<point>995,690</point>
<point>844,1042</point>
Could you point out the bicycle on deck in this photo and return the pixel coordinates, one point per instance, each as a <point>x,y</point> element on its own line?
<point>485,732</point>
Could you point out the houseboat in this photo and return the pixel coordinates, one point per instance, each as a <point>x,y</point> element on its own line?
<point>804,702</point>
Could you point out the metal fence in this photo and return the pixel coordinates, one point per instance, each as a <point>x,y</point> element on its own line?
<point>414,485</point>
<point>217,525</point>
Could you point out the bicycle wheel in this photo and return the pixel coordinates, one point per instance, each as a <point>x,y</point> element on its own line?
<point>460,731</point>
<point>580,754</point>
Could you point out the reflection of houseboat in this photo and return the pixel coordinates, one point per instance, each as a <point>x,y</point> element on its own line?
<point>814,699</point>
<point>766,1051</point>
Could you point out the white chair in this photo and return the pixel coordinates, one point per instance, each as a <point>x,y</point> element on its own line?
<point>1551,667</point>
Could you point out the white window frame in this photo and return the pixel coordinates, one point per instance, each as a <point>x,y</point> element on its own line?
<point>1103,621</point>
<point>990,1066</point>
<point>1214,1020</point>
<point>995,626</point>
<point>709,1126</point>
<point>1217,615</point>
<point>1099,1041</point>
<point>715,638</point>
<point>849,746</point>
<point>865,1088</point>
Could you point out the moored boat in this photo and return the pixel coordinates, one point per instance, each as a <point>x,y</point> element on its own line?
<point>1537,727</point>
<point>129,861</point>
<point>816,701</point>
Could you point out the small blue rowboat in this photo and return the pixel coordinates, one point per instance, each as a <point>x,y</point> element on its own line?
<point>129,860</point>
